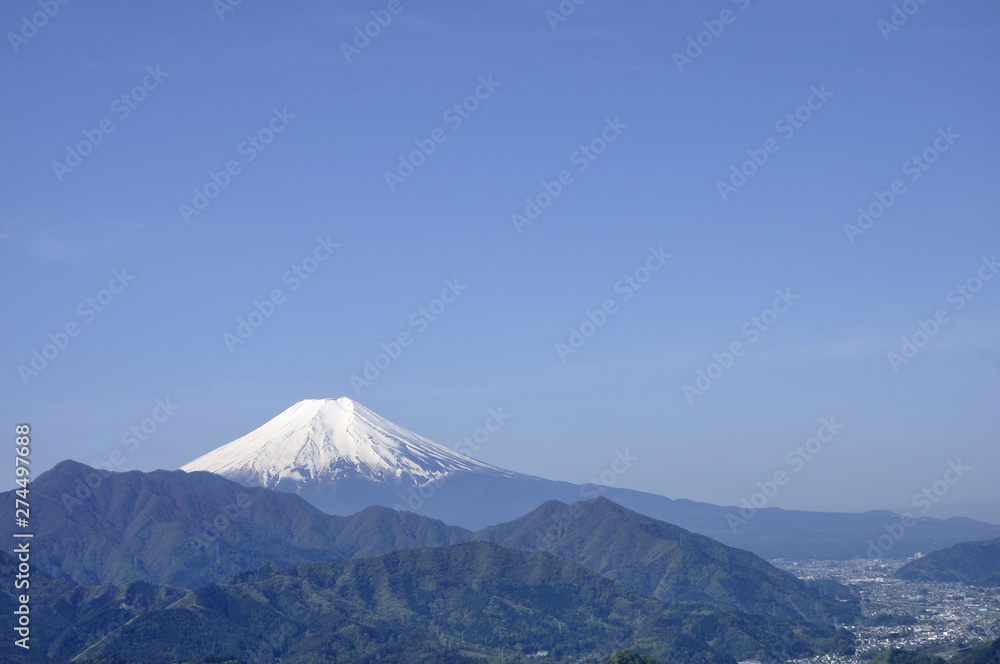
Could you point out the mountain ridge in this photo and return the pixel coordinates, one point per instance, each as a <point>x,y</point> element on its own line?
<point>188,529</point>
<point>191,529</point>
<point>464,492</point>
<point>445,604</point>
<point>975,563</point>
<point>670,563</point>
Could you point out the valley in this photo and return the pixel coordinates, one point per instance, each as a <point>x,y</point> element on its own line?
<point>939,618</point>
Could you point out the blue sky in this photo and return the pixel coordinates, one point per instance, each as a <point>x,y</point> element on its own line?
<point>309,134</point>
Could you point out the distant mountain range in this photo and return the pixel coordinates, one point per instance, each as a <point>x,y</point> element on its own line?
<point>190,529</point>
<point>342,458</point>
<point>189,567</point>
<point>974,563</point>
<point>171,566</point>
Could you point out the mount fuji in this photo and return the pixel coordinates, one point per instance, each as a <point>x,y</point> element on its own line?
<point>342,457</point>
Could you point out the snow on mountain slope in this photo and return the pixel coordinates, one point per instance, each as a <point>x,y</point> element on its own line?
<point>326,440</point>
<point>342,458</point>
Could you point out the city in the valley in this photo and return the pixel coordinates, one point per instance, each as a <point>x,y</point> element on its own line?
<point>937,618</point>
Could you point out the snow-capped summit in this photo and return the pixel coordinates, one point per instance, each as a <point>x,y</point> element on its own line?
<point>331,440</point>
<point>342,458</point>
